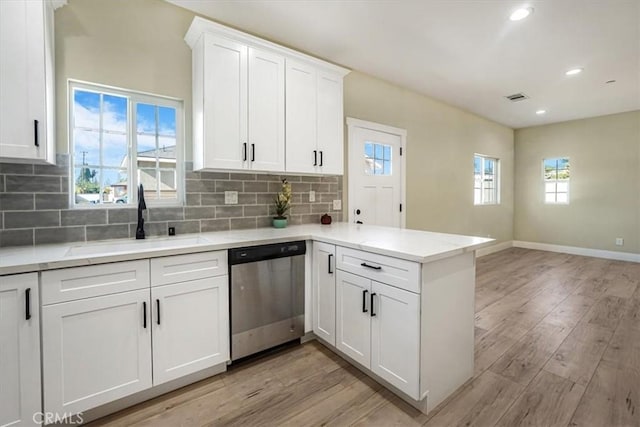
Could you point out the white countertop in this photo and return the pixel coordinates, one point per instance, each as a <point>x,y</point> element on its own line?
<point>412,245</point>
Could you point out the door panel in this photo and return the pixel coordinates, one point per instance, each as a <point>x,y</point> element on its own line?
<point>225,103</point>
<point>353,324</point>
<point>266,111</point>
<point>19,350</point>
<point>324,291</point>
<point>375,177</point>
<point>95,350</point>
<point>301,117</point>
<point>395,337</point>
<point>190,327</point>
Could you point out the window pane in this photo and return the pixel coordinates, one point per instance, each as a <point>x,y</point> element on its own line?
<point>114,113</point>
<point>386,167</point>
<point>167,184</point>
<point>146,146</point>
<point>488,166</point>
<point>146,118</point>
<point>477,196</point>
<point>86,147</point>
<point>368,150</point>
<point>563,187</point>
<point>148,178</point>
<point>86,186</point>
<point>379,151</point>
<point>550,187</point>
<point>167,121</point>
<point>166,148</point>
<point>550,164</point>
<point>86,109</point>
<point>114,149</point>
<point>477,165</point>
<point>387,152</point>
<point>550,197</point>
<point>114,185</point>
<point>563,197</point>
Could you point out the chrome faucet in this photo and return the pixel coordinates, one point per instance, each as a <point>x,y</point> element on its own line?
<point>141,206</point>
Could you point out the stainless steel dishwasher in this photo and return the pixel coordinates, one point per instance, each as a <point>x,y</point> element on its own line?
<point>267,296</point>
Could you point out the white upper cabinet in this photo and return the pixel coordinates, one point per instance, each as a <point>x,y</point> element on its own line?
<point>263,107</point>
<point>26,81</point>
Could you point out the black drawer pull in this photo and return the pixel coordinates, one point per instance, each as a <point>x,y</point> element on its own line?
<point>35,133</point>
<point>329,264</point>
<point>321,162</point>
<point>364,301</point>
<point>144,314</point>
<point>158,309</point>
<point>375,267</point>
<point>372,312</point>
<point>253,152</point>
<point>244,152</point>
<point>27,309</point>
<point>315,157</point>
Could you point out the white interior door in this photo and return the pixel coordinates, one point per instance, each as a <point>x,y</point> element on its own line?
<point>375,175</point>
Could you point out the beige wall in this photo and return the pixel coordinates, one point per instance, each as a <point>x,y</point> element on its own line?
<point>441,142</point>
<point>604,189</point>
<point>130,44</point>
<point>139,45</point>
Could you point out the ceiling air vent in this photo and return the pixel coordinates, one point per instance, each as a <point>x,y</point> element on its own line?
<point>517,97</point>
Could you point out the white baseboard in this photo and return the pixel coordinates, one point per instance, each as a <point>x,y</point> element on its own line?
<point>573,250</point>
<point>494,248</point>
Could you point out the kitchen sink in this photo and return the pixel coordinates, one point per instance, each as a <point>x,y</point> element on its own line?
<point>135,245</point>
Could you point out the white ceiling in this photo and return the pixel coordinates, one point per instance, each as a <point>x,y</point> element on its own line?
<point>466,52</point>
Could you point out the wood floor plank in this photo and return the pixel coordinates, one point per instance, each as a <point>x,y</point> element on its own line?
<point>570,311</point>
<point>578,356</point>
<point>624,348</point>
<point>611,399</point>
<point>607,312</point>
<point>522,362</point>
<point>548,401</point>
<point>480,404</point>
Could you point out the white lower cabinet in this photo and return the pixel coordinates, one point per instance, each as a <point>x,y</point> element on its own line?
<point>190,327</point>
<point>95,350</point>
<point>19,350</point>
<point>324,291</point>
<point>104,343</point>
<point>378,326</point>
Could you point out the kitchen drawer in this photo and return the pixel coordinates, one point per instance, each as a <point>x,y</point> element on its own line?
<point>69,284</point>
<point>182,268</point>
<point>391,271</point>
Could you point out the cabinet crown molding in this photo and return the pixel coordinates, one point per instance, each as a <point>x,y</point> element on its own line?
<point>199,26</point>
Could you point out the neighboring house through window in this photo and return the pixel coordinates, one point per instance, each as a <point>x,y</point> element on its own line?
<point>556,175</point>
<point>486,189</point>
<point>120,139</point>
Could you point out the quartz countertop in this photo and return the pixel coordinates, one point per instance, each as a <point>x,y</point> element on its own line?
<point>412,245</point>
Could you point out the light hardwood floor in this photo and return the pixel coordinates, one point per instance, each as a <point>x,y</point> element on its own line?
<point>557,344</point>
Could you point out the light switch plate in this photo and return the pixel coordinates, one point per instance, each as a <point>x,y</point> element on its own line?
<point>230,197</point>
<point>619,241</point>
<point>337,205</point>
<point>312,196</point>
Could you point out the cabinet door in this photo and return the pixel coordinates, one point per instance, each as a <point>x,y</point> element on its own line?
<point>301,137</point>
<point>330,124</point>
<point>266,111</point>
<point>19,349</point>
<point>324,291</point>
<point>225,103</point>
<point>190,327</point>
<point>95,350</point>
<point>22,80</point>
<point>353,324</point>
<point>395,337</point>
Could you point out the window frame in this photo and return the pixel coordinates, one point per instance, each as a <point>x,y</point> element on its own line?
<point>497,179</point>
<point>556,181</point>
<point>133,98</point>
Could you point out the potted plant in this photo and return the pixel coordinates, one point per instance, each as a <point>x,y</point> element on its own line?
<point>282,203</point>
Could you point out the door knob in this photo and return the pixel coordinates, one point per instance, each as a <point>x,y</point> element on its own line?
<point>357,211</point>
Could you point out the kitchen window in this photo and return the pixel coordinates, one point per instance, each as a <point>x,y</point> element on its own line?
<point>486,189</point>
<point>556,173</point>
<point>120,139</point>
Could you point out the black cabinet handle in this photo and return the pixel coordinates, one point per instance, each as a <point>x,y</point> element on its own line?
<point>372,312</point>
<point>375,267</point>
<point>321,162</point>
<point>253,152</point>
<point>364,301</point>
<point>27,308</point>
<point>35,133</point>
<point>244,152</point>
<point>315,157</point>
<point>329,262</point>
<point>158,309</point>
<point>144,314</point>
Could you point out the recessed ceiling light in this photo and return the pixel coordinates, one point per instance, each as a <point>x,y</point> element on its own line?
<point>521,13</point>
<point>541,112</point>
<point>574,71</point>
